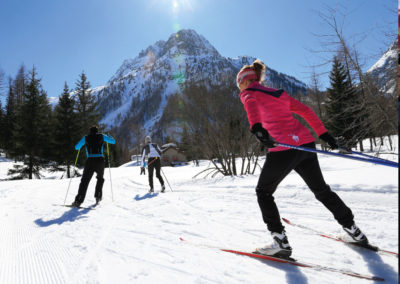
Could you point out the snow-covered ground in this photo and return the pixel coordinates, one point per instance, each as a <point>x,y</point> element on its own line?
<point>135,239</point>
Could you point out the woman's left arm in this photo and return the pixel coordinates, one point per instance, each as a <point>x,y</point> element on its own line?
<point>308,114</point>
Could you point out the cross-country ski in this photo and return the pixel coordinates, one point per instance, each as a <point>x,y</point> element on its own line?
<point>343,239</point>
<point>295,262</point>
<point>78,207</point>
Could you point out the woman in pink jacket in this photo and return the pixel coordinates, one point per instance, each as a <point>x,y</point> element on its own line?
<point>270,114</point>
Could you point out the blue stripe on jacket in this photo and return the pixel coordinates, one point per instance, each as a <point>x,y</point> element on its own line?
<point>106,139</point>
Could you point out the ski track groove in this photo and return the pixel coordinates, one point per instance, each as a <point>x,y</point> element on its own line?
<point>29,257</point>
<point>44,266</point>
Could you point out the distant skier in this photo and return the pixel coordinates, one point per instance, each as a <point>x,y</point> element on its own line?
<point>143,169</point>
<point>154,154</point>
<point>270,114</point>
<point>95,163</point>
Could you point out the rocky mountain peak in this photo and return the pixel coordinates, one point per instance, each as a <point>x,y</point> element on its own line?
<point>189,42</point>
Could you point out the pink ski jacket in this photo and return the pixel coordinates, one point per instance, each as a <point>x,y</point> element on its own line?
<point>274,110</point>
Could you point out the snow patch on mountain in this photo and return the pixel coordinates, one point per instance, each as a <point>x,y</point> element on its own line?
<point>387,58</point>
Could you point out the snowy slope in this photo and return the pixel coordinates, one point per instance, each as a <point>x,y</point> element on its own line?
<point>135,239</point>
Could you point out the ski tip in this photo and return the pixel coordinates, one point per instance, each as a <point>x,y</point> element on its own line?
<point>182,239</point>
<point>389,252</point>
<point>286,220</point>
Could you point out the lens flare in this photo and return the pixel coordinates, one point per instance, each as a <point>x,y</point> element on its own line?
<point>179,77</point>
<point>177,27</point>
<point>175,8</point>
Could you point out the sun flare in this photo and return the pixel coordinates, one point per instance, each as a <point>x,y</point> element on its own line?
<point>176,6</point>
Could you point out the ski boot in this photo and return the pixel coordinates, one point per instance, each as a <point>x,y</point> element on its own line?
<point>76,204</point>
<point>279,248</point>
<point>355,233</point>
<point>98,199</point>
<point>162,188</point>
<point>151,190</point>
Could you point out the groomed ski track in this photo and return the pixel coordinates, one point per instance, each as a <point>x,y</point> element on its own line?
<point>135,239</point>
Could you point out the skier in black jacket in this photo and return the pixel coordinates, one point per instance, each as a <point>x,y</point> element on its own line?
<point>95,163</point>
<point>154,154</point>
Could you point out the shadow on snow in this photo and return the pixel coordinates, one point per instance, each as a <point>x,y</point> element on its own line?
<point>294,275</point>
<point>146,196</point>
<point>69,216</point>
<point>376,265</point>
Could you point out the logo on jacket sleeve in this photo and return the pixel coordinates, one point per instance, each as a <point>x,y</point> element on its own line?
<point>295,137</point>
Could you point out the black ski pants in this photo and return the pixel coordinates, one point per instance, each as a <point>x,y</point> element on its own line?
<point>277,166</point>
<point>93,165</point>
<point>154,163</point>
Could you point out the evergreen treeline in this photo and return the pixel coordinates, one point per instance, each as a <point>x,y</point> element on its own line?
<point>38,136</point>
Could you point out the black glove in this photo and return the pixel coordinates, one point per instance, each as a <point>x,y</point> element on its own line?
<point>330,140</point>
<point>263,136</point>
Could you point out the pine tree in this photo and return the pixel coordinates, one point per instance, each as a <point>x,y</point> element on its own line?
<point>9,122</point>
<point>32,131</point>
<point>335,102</point>
<point>86,104</point>
<point>342,105</point>
<point>66,130</point>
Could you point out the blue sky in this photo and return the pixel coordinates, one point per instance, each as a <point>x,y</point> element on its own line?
<point>64,37</point>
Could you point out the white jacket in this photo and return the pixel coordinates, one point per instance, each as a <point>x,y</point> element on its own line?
<point>151,150</point>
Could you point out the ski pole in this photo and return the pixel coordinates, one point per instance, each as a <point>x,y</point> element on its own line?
<point>108,154</point>
<point>166,180</point>
<point>70,179</point>
<point>349,151</point>
<point>371,157</point>
<point>368,160</point>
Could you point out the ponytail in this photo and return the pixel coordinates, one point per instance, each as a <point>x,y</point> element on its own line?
<point>259,68</point>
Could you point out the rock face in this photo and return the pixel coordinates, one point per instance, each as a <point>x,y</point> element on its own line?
<point>139,91</point>
<point>384,71</point>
